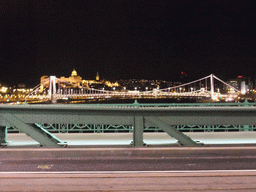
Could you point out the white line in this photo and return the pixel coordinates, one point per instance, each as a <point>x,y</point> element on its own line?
<point>118,172</point>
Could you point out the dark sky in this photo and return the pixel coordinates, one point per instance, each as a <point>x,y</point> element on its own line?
<point>126,39</point>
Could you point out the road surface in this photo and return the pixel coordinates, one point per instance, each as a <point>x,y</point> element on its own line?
<point>128,169</point>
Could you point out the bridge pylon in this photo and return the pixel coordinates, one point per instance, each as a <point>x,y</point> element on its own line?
<point>212,86</point>
<point>52,87</point>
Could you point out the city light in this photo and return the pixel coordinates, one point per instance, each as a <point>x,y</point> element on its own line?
<point>3,89</point>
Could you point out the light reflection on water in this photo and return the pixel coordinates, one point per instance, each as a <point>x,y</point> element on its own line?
<point>109,101</point>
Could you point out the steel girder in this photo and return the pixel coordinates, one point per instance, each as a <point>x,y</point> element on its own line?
<point>3,135</point>
<point>39,134</point>
<point>172,131</point>
<point>23,116</point>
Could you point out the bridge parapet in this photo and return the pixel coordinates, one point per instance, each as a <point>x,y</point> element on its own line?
<point>24,117</point>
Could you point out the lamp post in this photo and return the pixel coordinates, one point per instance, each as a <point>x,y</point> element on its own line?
<point>146,90</point>
<point>114,90</point>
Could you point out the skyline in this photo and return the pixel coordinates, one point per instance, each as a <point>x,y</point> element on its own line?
<point>126,39</point>
<point>183,79</point>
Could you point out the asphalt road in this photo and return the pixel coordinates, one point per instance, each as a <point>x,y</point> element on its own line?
<point>128,159</point>
<point>154,181</point>
<point>128,169</point>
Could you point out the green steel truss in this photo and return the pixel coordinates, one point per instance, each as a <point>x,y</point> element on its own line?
<point>101,128</point>
<point>41,121</point>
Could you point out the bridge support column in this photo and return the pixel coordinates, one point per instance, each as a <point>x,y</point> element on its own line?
<point>172,131</point>
<point>3,135</point>
<point>52,88</point>
<point>138,127</point>
<point>246,128</point>
<point>212,87</point>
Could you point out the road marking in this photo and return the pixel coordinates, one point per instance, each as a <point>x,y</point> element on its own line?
<point>45,166</point>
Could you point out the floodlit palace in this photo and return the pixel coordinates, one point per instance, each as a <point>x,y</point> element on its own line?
<point>75,81</point>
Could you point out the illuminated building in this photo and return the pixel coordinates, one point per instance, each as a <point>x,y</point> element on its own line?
<point>75,81</point>
<point>3,88</point>
<point>98,82</point>
<point>88,83</point>
<point>241,83</point>
<point>110,84</point>
<point>233,83</point>
<point>97,76</point>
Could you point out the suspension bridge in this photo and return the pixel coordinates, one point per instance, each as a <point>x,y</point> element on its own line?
<point>172,118</point>
<point>212,87</point>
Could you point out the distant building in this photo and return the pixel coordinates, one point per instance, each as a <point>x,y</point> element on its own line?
<point>234,83</point>
<point>97,76</point>
<point>241,83</point>
<point>22,85</point>
<point>4,88</point>
<point>75,81</point>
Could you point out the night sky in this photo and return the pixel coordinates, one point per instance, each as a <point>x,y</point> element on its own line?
<point>126,39</point>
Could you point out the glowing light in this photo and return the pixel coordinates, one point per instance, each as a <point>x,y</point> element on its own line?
<point>229,99</point>
<point>4,89</point>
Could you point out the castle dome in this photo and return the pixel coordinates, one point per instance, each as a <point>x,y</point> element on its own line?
<point>74,73</point>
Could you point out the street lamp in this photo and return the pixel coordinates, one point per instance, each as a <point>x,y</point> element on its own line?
<point>169,90</point>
